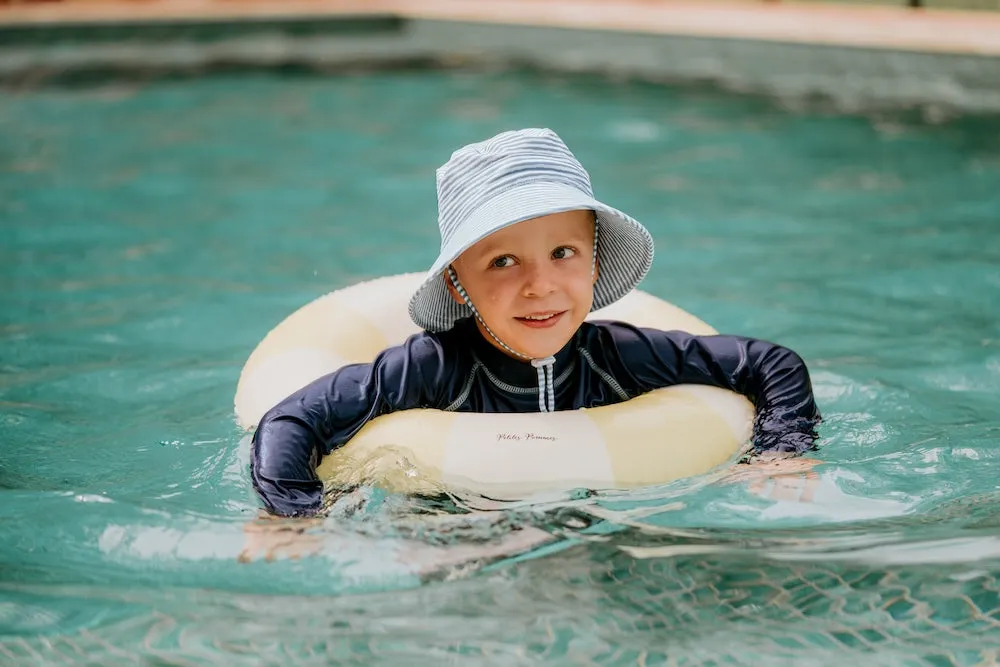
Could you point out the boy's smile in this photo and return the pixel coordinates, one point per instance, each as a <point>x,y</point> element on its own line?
<point>532,282</point>
<point>541,320</point>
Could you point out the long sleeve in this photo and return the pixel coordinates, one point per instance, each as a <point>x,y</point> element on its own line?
<point>293,437</point>
<point>774,378</point>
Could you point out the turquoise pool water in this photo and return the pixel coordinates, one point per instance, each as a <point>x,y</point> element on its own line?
<point>154,232</point>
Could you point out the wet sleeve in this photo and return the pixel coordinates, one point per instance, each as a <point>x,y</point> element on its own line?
<point>774,378</point>
<point>295,435</point>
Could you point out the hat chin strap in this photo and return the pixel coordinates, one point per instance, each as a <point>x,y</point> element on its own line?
<point>545,366</point>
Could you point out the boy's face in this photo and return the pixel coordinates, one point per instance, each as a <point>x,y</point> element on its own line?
<point>532,282</point>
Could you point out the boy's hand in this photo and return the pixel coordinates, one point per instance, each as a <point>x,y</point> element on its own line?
<point>279,537</point>
<point>778,476</point>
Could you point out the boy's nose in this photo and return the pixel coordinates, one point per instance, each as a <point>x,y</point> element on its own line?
<point>539,280</point>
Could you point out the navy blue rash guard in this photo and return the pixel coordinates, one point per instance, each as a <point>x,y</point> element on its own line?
<point>604,363</point>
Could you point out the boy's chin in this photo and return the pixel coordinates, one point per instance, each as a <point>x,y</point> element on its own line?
<point>535,344</point>
<point>539,349</point>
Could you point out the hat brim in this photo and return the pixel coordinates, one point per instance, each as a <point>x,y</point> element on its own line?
<point>624,248</point>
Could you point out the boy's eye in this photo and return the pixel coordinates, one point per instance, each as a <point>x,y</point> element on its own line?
<point>563,252</point>
<point>502,262</point>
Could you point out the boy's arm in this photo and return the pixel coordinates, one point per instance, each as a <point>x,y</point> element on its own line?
<point>293,437</point>
<point>774,378</point>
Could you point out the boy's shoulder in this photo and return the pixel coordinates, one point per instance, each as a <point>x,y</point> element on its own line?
<point>620,329</point>
<point>628,342</point>
<point>424,344</point>
<point>614,330</point>
<point>426,359</point>
<point>430,347</point>
<point>455,337</point>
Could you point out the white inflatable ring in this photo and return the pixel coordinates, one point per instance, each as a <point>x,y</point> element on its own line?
<point>655,438</point>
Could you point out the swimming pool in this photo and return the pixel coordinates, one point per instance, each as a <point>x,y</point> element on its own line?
<point>155,231</point>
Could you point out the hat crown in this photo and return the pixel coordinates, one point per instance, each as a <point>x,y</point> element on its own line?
<point>477,173</point>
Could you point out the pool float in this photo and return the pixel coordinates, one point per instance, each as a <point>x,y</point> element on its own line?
<point>655,438</point>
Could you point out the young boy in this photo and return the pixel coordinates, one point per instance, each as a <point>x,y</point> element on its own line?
<point>526,254</point>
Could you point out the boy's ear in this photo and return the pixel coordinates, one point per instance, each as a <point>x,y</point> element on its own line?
<point>451,289</point>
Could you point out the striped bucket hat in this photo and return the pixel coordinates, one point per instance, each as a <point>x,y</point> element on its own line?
<point>513,177</point>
